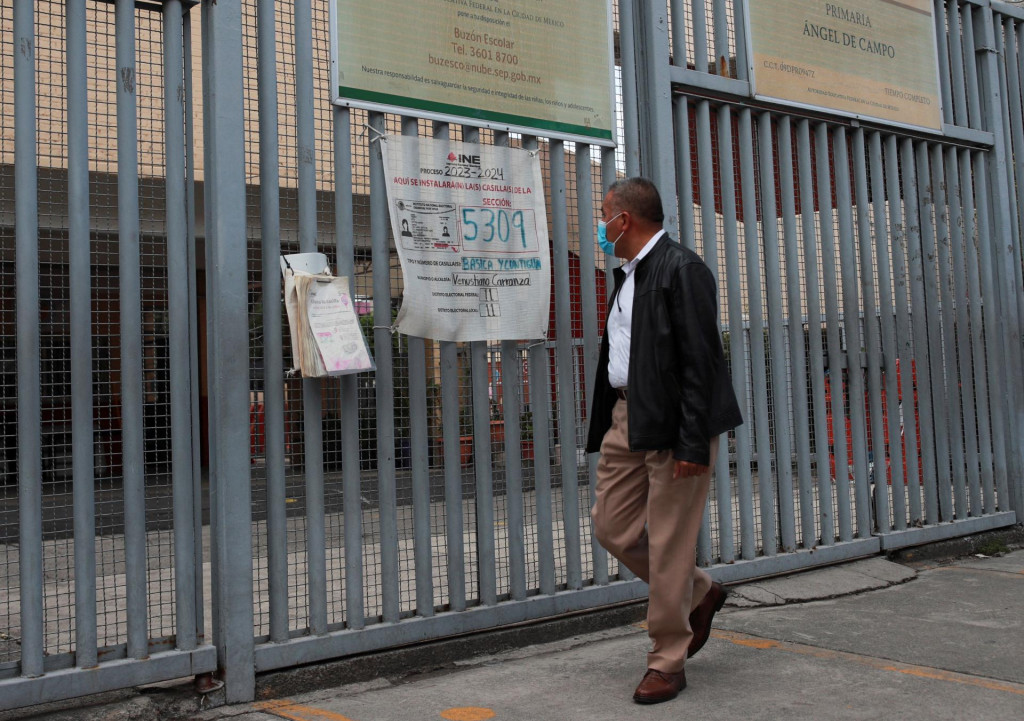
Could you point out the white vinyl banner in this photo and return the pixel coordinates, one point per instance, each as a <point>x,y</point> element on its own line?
<point>472,236</point>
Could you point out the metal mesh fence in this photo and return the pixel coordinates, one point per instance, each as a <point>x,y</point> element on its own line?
<point>54,328</point>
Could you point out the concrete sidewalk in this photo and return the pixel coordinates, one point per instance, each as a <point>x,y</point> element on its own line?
<point>886,641</point>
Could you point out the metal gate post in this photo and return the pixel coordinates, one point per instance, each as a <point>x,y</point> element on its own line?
<point>26,224</point>
<point>1002,244</point>
<point>654,105</point>
<point>228,363</point>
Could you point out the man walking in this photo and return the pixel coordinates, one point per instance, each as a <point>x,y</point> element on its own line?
<point>662,397</point>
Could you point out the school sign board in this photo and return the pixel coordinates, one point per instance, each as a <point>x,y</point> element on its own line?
<point>872,58</point>
<point>542,68</point>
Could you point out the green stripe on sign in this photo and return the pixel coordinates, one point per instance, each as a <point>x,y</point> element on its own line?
<point>472,113</point>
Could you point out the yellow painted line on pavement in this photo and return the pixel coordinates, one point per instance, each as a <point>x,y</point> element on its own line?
<point>286,709</point>
<point>935,674</point>
<point>298,712</point>
<point>467,713</point>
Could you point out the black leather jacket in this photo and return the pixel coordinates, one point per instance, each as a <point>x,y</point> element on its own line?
<point>680,390</point>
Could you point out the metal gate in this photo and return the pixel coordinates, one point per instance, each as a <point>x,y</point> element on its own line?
<point>100,560</point>
<point>871,300</point>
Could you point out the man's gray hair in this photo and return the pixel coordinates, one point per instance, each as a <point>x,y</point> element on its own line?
<point>638,196</point>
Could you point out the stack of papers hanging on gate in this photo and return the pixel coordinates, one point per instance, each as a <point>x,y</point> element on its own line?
<point>325,334</point>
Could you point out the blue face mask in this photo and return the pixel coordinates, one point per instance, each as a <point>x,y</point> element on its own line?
<point>608,246</point>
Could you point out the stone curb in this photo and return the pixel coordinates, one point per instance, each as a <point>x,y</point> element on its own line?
<point>823,583</point>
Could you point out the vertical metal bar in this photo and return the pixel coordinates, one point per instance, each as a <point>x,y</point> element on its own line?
<point>198,585</point>
<point>130,301</point>
<point>952,486</point>
<point>312,427</point>
<point>930,235</point>
<point>959,78</point>
<point>962,223</point>
<point>720,18</point>
<point>380,226</point>
<point>540,404</point>
<point>30,501</point>
<point>1018,142</point>
<point>832,327</point>
<point>1014,299</point>
<point>654,104</point>
<point>512,401</point>
<point>893,472</point>
<point>997,375</point>
<point>709,250</point>
<point>687,236</point>
<point>734,283</point>
<point>540,408</point>
<point>452,461</point>
<point>81,337</point>
<point>351,478</point>
<point>1003,239</point>
<point>776,330</point>
<point>684,172</point>
<point>608,176</point>
<point>453,476</point>
<point>216,547</point>
<point>942,40</point>
<point>630,105</point>
<point>986,434</point>
<point>851,326</point>
<point>700,35</point>
<point>907,371</point>
<point>677,19</point>
<point>419,461</point>
<point>179,323</point>
<point>798,371</point>
<point>1013,59</point>
<point>872,332</point>
<point>230,483</point>
<point>564,362</point>
<point>971,61</point>
<point>655,107</point>
<point>273,360</point>
<point>219,632</point>
<point>591,337</point>
<point>739,22</point>
<point>816,364</point>
<point>1013,137</point>
<point>919,210</point>
<point>483,470</point>
<point>758,362</point>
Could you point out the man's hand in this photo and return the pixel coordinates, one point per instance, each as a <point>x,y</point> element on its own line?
<point>685,469</point>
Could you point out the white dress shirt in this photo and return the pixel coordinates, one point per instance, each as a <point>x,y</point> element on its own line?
<point>620,320</point>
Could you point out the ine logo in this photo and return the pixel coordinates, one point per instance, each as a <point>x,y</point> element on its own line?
<point>462,159</point>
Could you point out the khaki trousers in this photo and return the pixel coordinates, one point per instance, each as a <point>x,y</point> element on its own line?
<point>650,522</point>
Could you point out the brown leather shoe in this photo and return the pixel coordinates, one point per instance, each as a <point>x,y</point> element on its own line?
<point>700,619</point>
<point>658,686</point>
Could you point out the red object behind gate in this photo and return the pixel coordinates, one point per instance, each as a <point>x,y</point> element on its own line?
<point>885,424</point>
